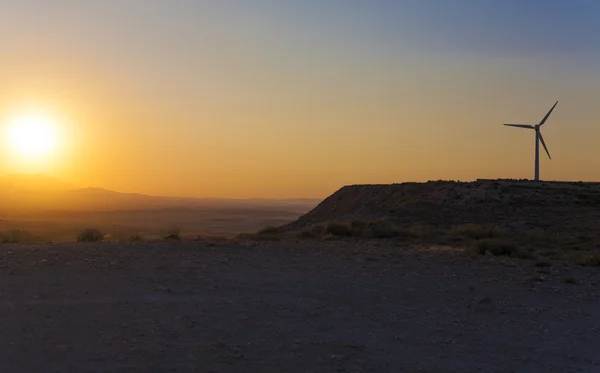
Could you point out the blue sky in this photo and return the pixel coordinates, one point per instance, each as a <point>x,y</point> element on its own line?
<point>566,30</point>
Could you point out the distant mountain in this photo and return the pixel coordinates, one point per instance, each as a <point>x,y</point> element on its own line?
<point>37,193</point>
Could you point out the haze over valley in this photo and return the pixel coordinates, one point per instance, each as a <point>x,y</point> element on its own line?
<point>56,210</point>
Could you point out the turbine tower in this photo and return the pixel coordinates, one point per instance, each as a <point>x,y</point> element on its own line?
<point>538,138</point>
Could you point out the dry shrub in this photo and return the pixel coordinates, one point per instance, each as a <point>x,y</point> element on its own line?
<point>17,236</point>
<point>498,247</point>
<point>337,229</point>
<point>318,230</point>
<point>90,235</point>
<point>269,231</point>
<point>173,233</point>
<point>358,228</point>
<point>135,238</point>
<point>246,237</point>
<point>314,232</point>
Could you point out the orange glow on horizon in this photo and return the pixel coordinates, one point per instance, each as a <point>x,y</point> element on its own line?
<point>211,101</point>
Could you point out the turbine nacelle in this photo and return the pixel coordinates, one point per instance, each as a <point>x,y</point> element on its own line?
<point>538,138</point>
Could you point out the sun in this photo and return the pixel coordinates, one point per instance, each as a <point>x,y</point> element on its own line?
<point>32,136</point>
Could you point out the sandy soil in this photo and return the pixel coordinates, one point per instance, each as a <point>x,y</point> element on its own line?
<point>291,307</point>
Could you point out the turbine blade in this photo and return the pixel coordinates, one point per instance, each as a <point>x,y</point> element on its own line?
<point>547,115</point>
<point>521,126</point>
<point>544,144</point>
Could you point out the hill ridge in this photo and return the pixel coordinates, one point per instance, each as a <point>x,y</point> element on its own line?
<point>511,203</point>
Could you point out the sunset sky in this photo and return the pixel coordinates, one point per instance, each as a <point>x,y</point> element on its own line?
<point>276,98</point>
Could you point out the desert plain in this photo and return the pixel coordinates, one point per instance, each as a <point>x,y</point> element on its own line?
<point>324,293</point>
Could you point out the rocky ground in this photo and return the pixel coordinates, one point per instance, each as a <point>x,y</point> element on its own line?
<point>289,306</point>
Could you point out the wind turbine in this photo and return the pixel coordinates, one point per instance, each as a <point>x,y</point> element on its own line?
<point>538,138</point>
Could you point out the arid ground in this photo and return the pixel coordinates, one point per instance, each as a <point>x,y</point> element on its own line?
<point>292,306</point>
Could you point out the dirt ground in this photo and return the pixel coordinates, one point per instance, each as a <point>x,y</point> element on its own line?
<point>323,306</point>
